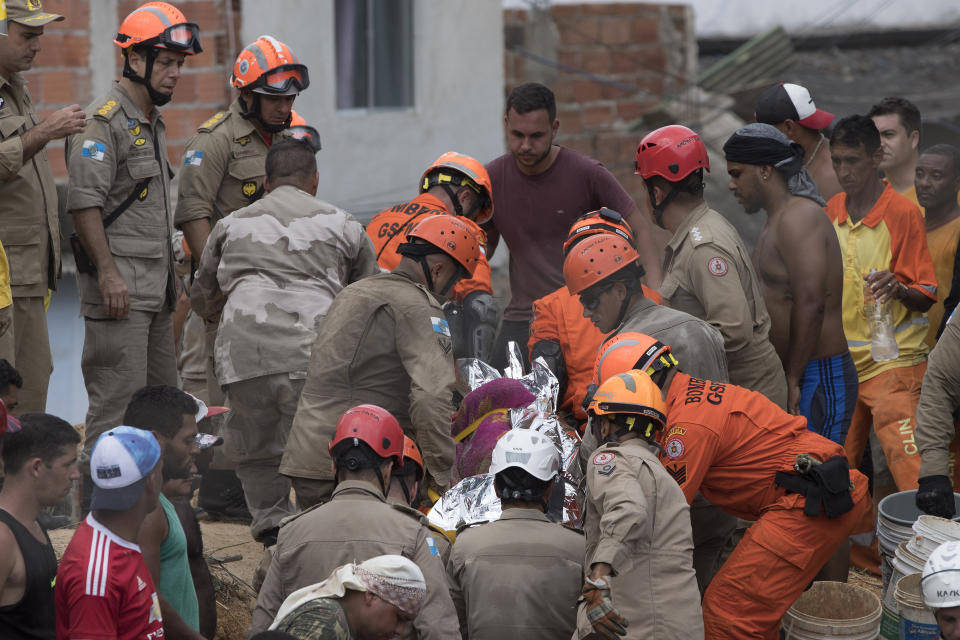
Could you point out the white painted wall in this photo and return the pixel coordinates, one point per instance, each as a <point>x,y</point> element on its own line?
<point>373,159</point>
<point>739,18</point>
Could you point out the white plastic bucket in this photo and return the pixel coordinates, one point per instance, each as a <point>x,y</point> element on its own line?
<point>833,610</point>
<point>916,621</point>
<point>896,515</point>
<point>930,532</point>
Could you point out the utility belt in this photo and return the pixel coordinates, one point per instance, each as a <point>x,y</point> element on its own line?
<point>826,485</point>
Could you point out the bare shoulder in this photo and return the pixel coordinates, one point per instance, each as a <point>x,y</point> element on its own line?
<point>802,218</point>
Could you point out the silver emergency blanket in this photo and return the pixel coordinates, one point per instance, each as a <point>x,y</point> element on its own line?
<point>473,499</point>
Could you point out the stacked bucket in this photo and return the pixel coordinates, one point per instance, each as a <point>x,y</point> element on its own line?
<point>906,539</point>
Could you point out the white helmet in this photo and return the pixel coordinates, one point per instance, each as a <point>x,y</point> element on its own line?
<point>528,450</point>
<point>940,583</point>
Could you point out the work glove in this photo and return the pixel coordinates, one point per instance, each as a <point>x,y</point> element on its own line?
<point>935,496</point>
<point>603,617</point>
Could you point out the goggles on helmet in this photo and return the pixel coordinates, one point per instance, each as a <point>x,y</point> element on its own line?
<point>183,37</point>
<point>283,80</point>
<point>306,133</point>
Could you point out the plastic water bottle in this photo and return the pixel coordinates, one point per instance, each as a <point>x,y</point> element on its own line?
<point>883,344</point>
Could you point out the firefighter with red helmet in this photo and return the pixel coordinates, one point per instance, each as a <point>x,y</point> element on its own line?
<point>755,461</point>
<point>707,269</point>
<point>385,340</point>
<point>358,523</point>
<point>118,194</point>
<point>453,184</point>
<point>222,170</point>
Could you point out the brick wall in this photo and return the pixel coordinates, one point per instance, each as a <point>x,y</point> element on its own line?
<point>64,72</point>
<point>609,64</point>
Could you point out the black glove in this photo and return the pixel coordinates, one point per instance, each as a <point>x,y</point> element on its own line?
<point>935,496</point>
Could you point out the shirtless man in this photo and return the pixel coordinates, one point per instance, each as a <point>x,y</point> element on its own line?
<point>790,109</point>
<point>801,272</point>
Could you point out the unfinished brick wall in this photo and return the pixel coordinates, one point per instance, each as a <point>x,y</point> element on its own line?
<point>609,64</point>
<point>62,72</point>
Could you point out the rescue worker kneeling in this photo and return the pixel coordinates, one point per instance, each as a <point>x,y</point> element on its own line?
<point>639,541</point>
<point>757,462</point>
<point>519,576</point>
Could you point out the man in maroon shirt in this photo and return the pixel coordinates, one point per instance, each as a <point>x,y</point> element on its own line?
<point>543,188</point>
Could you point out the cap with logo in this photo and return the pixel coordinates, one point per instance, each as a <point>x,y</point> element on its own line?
<point>121,460</point>
<point>30,13</point>
<point>787,101</point>
<point>207,440</point>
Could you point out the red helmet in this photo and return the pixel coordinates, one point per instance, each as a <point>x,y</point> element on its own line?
<point>631,350</point>
<point>268,66</point>
<point>375,427</point>
<point>672,152</point>
<point>603,221</point>
<point>161,25</point>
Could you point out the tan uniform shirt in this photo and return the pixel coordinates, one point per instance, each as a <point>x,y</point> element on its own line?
<point>384,342</point>
<point>223,168</point>
<point>939,401</point>
<point>272,269</point>
<point>29,222</point>
<point>517,577</point>
<point>119,148</point>
<point>707,273</point>
<point>356,525</point>
<point>440,536</point>
<point>638,522</point>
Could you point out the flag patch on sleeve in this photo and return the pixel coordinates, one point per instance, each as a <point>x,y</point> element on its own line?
<point>193,158</point>
<point>440,326</point>
<point>93,149</point>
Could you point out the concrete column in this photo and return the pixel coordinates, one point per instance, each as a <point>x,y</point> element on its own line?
<point>104,55</point>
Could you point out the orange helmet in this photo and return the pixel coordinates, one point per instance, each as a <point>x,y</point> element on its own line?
<point>602,221</point>
<point>452,237</point>
<point>300,130</point>
<point>632,401</point>
<point>672,152</point>
<point>372,425</point>
<point>466,172</point>
<point>595,259</point>
<point>269,66</point>
<point>160,25</point>
<point>411,453</point>
<point>631,350</point>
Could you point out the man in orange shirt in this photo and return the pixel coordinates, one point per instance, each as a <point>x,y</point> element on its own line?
<point>757,462</point>
<point>885,251</point>
<point>559,331</point>
<point>937,180</point>
<point>454,183</point>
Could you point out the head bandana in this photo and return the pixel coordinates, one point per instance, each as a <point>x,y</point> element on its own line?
<point>394,579</point>
<point>760,143</point>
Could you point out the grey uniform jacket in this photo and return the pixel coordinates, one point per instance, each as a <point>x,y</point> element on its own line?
<point>384,342</point>
<point>638,522</point>
<point>273,269</point>
<point>939,401</point>
<point>356,525</point>
<point>517,577</point>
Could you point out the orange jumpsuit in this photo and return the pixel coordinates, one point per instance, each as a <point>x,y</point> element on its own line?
<point>558,317</point>
<point>388,230</point>
<point>728,443</point>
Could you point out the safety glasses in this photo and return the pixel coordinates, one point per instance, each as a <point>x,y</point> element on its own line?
<point>284,80</point>
<point>307,134</point>
<point>184,37</point>
<point>591,297</point>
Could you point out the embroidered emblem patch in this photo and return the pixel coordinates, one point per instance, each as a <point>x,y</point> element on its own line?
<point>677,471</point>
<point>440,326</point>
<point>432,545</point>
<point>717,266</point>
<point>674,448</point>
<point>193,158</point>
<point>249,188</point>
<point>140,142</point>
<point>244,141</point>
<point>93,149</point>
<point>602,458</point>
<point>107,108</point>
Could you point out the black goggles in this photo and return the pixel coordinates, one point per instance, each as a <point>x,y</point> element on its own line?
<point>184,37</point>
<point>307,134</point>
<point>591,297</point>
<point>283,80</point>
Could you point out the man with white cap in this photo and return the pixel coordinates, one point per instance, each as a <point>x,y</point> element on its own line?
<point>103,587</point>
<point>374,599</point>
<point>940,586</point>
<point>790,109</point>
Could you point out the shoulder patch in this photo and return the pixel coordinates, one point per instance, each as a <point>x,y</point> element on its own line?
<point>193,158</point>
<point>107,110</point>
<point>717,266</point>
<point>93,150</point>
<point>674,447</point>
<point>602,458</point>
<point>432,545</point>
<point>213,122</point>
<point>677,471</point>
<point>440,326</point>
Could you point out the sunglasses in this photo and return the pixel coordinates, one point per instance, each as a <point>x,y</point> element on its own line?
<point>591,298</point>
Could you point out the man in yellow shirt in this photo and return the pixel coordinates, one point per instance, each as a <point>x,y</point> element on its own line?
<point>937,181</point>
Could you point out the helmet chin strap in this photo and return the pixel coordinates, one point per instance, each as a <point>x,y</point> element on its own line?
<point>256,113</point>
<point>150,54</point>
